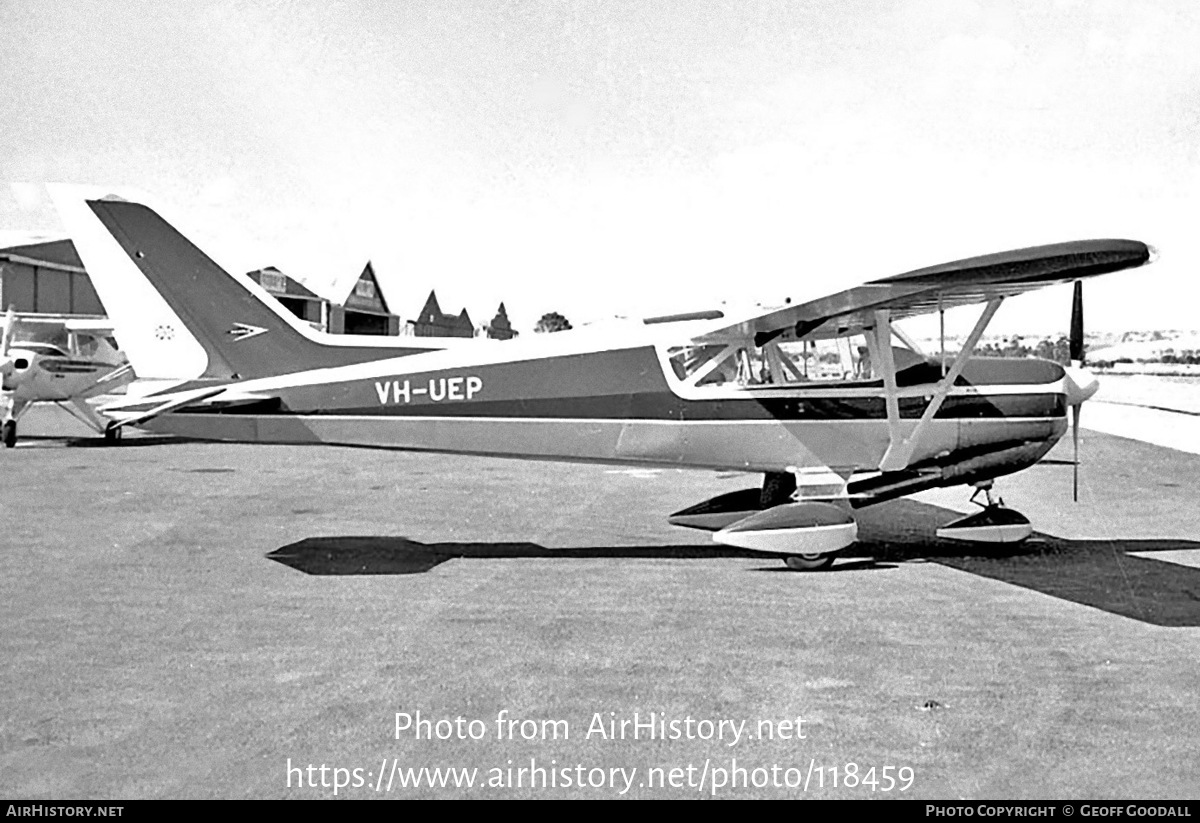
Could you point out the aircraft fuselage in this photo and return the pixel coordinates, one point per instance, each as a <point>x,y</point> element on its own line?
<point>626,406</point>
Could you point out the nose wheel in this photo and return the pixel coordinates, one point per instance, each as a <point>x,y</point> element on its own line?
<point>996,523</point>
<point>10,433</point>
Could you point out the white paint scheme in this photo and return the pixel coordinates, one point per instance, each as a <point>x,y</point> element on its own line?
<point>34,371</point>
<point>154,339</point>
<point>763,445</point>
<point>943,450</point>
<point>1007,533</point>
<point>806,540</point>
<point>585,341</point>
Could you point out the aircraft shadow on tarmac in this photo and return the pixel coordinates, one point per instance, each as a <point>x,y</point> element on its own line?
<point>34,441</point>
<point>1103,574</point>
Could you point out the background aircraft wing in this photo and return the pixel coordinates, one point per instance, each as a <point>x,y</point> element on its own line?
<point>960,283</point>
<point>92,325</point>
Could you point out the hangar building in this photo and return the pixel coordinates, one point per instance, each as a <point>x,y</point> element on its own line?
<point>363,311</point>
<point>46,277</point>
<point>433,322</point>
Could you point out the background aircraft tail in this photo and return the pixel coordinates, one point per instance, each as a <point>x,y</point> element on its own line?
<point>178,314</point>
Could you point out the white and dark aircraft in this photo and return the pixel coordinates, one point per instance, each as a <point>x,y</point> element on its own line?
<point>57,361</point>
<point>825,397</point>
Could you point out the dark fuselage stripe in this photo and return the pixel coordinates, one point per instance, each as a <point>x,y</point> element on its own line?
<point>667,406</point>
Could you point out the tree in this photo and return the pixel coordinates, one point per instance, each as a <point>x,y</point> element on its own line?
<point>552,321</point>
<point>1062,351</point>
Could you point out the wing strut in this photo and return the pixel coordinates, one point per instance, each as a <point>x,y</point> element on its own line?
<point>906,340</point>
<point>882,354</point>
<point>81,411</point>
<point>900,450</point>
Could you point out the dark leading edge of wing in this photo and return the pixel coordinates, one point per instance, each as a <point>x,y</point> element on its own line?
<point>1043,265</point>
<point>977,279</point>
<point>945,286</point>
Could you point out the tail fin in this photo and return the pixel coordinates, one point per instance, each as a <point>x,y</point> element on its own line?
<point>234,329</point>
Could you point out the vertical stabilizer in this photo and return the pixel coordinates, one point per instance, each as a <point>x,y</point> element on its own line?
<point>178,314</point>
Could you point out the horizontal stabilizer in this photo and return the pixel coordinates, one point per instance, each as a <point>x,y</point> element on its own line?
<point>174,403</point>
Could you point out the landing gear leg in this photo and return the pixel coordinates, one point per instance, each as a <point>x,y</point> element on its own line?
<point>8,408</point>
<point>985,486</point>
<point>778,488</point>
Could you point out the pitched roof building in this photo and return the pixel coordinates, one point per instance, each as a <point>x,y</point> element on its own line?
<point>363,311</point>
<point>433,322</point>
<point>500,328</point>
<point>294,296</point>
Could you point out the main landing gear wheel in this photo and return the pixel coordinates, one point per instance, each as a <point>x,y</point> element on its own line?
<point>10,433</point>
<point>112,434</point>
<point>809,562</point>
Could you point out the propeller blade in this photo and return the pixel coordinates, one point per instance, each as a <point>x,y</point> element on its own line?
<point>1077,357</point>
<point>1075,410</point>
<point>1076,339</point>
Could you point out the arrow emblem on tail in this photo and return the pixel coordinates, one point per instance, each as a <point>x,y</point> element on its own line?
<point>243,331</point>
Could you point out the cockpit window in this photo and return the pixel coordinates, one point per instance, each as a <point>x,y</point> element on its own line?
<point>85,345</point>
<point>686,360</point>
<point>775,364</point>
<point>49,335</point>
<point>44,349</point>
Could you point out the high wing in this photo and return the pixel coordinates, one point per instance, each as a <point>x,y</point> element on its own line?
<point>945,286</point>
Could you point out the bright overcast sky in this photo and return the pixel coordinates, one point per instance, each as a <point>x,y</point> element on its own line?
<point>601,158</point>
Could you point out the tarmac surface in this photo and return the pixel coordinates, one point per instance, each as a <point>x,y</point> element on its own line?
<point>191,619</point>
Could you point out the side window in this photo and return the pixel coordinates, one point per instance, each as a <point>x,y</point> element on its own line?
<point>838,359</point>
<point>687,360</point>
<point>85,345</point>
<point>741,364</point>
